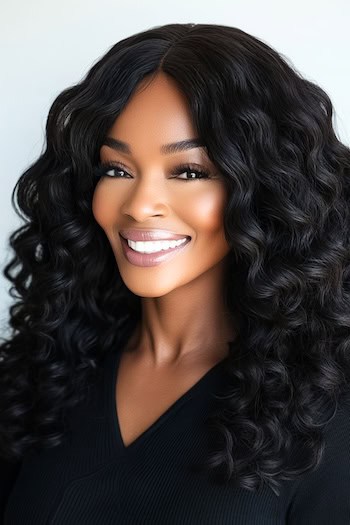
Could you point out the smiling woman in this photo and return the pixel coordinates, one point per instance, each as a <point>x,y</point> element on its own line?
<point>151,198</point>
<point>180,351</point>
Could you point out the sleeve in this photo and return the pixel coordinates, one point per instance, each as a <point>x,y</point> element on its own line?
<point>8,475</point>
<point>323,496</point>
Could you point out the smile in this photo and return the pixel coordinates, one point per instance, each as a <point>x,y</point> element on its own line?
<point>151,253</point>
<point>154,246</point>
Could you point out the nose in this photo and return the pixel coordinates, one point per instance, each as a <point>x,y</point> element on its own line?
<point>146,198</point>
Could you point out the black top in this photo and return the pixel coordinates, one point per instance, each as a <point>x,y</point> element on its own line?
<point>93,479</point>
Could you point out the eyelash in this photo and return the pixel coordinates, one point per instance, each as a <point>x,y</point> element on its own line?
<point>101,169</point>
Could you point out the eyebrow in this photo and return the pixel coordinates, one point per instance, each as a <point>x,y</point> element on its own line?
<point>173,147</point>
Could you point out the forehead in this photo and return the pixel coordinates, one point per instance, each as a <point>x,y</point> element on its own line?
<point>157,113</point>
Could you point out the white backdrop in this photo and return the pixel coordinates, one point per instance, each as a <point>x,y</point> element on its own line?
<point>46,46</point>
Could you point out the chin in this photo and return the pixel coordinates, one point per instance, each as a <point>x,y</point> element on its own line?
<point>151,287</point>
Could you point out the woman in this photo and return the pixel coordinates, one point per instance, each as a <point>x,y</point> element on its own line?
<point>180,346</point>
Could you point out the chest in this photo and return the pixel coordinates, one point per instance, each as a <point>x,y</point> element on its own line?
<point>143,397</point>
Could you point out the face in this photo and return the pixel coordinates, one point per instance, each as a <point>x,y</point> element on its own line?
<point>145,191</point>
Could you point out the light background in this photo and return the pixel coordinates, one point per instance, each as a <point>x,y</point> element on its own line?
<point>47,46</point>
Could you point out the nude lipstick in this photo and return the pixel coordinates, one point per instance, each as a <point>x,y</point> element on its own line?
<point>154,258</point>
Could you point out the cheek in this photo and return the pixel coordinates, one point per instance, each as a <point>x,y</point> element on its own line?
<point>102,206</point>
<point>206,211</point>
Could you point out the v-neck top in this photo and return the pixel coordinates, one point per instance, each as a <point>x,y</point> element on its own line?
<point>113,365</point>
<point>93,479</point>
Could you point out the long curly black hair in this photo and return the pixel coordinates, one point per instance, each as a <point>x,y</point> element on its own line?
<point>269,131</point>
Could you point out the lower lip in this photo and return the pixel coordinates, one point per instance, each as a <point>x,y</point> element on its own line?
<point>150,259</point>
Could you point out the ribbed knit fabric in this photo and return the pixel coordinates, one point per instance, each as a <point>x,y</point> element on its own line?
<point>93,479</point>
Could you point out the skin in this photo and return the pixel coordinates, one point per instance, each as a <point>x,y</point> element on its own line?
<point>185,325</point>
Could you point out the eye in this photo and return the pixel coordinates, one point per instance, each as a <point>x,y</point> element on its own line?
<point>105,169</point>
<point>187,168</point>
<point>102,170</point>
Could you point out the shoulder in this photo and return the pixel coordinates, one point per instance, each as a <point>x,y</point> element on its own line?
<point>323,496</point>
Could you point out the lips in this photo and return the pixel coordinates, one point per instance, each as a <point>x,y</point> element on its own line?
<point>150,259</point>
<point>151,235</point>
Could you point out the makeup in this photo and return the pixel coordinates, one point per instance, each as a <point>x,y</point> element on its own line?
<point>150,259</point>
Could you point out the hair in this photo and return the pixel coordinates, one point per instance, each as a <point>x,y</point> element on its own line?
<point>269,132</point>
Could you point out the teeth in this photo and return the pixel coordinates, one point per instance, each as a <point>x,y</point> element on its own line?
<point>154,246</point>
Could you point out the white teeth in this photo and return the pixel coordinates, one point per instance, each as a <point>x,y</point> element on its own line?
<point>154,246</point>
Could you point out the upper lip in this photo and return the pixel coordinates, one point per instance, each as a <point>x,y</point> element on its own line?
<point>150,235</point>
